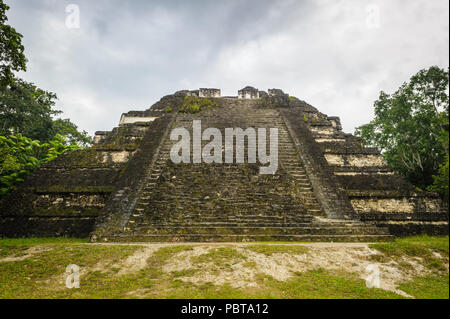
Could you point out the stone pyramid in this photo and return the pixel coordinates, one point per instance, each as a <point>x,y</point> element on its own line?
<point>327,186</point>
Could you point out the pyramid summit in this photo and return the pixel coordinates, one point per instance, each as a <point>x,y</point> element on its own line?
<point>327,185</point>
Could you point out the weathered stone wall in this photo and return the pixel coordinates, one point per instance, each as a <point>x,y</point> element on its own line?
<point>125,119</point>
<point>248,93</point>
<point>209,93</point>
<point>376,193</point>
<point>122,201</point>
<point>66,196</point>
<point>186,192</point>
<point>361,160</point>
<point>99,136</point>
<point>328,185</point>
<point>329,193</point>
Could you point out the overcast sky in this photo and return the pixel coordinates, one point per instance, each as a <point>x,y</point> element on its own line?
<point>126,55</point>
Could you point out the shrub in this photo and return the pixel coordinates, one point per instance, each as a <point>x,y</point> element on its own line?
<point>194,104</point>
<point>20,155</point>
<point>440,184</point>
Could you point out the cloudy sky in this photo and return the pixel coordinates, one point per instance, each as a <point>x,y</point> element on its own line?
<point>126,55</point>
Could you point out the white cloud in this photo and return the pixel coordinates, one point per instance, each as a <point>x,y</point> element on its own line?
<point>127,55</point>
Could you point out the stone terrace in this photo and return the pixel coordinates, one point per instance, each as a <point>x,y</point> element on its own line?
<point>328,187</point>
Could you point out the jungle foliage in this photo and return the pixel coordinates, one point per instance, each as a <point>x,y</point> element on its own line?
<point>411,127</point>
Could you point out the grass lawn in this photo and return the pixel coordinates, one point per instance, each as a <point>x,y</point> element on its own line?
<point>36,268</point>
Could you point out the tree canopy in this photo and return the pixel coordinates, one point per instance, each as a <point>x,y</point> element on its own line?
<point>25,108</point>
<point>20,155</point>
<point>12,57</point>
<point>29,133</point>
<point>28,110</point>
<point>411,126</point>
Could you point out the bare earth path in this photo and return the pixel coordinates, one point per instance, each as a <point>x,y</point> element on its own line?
<point>216,270</point>
<point>348,257</point>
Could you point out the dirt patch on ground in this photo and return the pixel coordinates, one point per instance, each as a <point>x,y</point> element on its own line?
<point>282,266</point>
<point>30,252</point>
<point>138,260</point>
<point>357,260</point>
<point>241,266</point>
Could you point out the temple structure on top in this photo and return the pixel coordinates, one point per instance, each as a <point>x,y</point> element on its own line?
<point>328,186</point>
<point>248,93</point>
<point>209,92</point>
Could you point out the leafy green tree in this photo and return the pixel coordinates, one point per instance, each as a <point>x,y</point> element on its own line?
<point>70,131</point>
<point>29,134</point>
<point>20,155</point>
<point>24,108</point>
<point>411,126</point>
<point>441,181</point>
<point>28,110</point>
<point>12,57</point>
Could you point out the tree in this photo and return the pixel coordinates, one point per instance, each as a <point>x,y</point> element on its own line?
<point>24,108</point>
<point>411,126</point>
<point>70,131</point>
<point>20,155</point>
<point>29,135</point>
<point>440,184</point>
<point>12,57</point>
<point>28,110</point>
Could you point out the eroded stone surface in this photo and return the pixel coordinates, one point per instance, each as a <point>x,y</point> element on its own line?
<point>383,205</point>
<point>355,160</point>
<point>126,188</point>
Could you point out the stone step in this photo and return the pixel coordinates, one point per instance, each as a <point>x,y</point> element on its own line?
<point>314,211</point>
<point>143,224</point>
<point>227,203</point>
<point>185,229</point>
<point>303,185</point>
<point>302,181</point>
<point>310,202</point>
<point>154,210</point>
<point>307,193</point>
<point>244,238</point>
<point>178,196</point>
<point>259,220</point>
<point>287,154</point>
<point>312,205</point>
<point>293,165</point>
<point>175,195</point>
<point>294,168</point>
<point>298,174</point>
<point>251,217</point>
<point>290,162</point>
<point>174,207</point>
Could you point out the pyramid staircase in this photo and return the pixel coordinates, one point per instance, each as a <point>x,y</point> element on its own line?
<point>233,202</point>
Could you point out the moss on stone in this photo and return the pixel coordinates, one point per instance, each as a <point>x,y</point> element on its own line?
<point>192,104</point>
<point>73,189</point>
<point>66,212</point>
<point>377,193</point>
<point>143,123</point>
<point>82,158</point>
